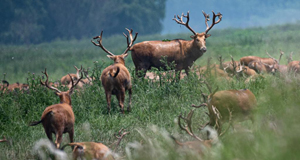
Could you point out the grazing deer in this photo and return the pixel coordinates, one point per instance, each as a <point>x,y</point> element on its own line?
<point>58,118</point>
<point>93,150</point>
<point>116,78</point>
<point>228,105</point>
<point>149,54</point>
<point>65,80</point>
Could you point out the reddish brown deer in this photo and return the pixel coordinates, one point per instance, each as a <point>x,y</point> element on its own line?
<point>58,118</point>
<point>228,105</point>
<point>65,80</point>
<point>116,78</point>
<point>93,150</point>
<point>149,54</point>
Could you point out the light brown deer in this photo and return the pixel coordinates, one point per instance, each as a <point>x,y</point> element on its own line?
<point>58,118</point>
<point>116,78</point>
<point>228,105</point>
<point>65,80</point>
<point>148,54</point>
<point>93,150</point>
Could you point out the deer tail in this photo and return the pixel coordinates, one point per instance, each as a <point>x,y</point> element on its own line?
<point>34,123</point>
<point>114,74</point>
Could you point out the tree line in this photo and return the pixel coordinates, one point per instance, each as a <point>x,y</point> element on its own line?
<point>36,21</point>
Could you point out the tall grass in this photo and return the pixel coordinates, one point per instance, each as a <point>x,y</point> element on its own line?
<point>155,105</point>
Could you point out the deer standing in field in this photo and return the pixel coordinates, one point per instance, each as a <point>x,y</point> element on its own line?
<point>65,80</point>
<point>58,118</point>
<point>228,105</point>
<point>94,150</point>
<point>116,78</point>
<point>149,54</point>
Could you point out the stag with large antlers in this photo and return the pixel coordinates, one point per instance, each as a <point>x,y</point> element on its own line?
<point>58,118</point>
<point>116,78</point>
<point>183,53</point>
<point>229,105</point>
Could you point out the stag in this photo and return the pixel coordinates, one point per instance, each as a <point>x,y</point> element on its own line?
<point>58,118</point>
<point>229,105</point>
<point>65,80</point>
<point>116,78</point>
<point>148,54</point>
<point>93,150</point>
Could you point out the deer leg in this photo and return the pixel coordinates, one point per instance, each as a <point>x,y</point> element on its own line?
<point>140,72</point>
<point>177,74</point>
<point>121,98</point>
<point>108,99</point>
<point>129,104</point>
<point>58,139</point>
<point>71,136</point>
<point>49,135</point>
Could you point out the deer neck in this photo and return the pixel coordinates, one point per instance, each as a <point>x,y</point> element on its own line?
<point>65,98</point>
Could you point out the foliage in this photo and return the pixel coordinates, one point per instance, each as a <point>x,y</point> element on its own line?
<point>36,21</point>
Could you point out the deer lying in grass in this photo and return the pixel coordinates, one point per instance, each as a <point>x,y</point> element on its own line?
<point>65,80</point>
<point>199,145</point>
<point>93,150</point>
<point>58,118</point>
<point>4,139</point>
<point>116,78</point>
<point>6,87</point>
<point>228,105</point>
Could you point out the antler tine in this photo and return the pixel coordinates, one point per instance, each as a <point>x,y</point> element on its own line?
<point>230,119</point>
<point>120,137</point>
<point>219,15</point>
<point>47,84</point>
<point>72,81</point>
<point>129,44</point>
<point>100,44</point>
<point>4,139</point>
<point>290,59</point>
<point>281,54</point>
<point>271,56</point>
<point>188,128</point>
<point>179,20</point>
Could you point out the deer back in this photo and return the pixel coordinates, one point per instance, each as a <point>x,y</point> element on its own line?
<point>109,77</point>
<point>239,102</point>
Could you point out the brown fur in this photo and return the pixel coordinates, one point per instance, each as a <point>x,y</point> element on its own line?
<point>294,67</point>
<point>117,83</point>
<point>65,80</point>
<point>148,54</point>
<point>90,150</point>
<point>58,118</point>
<point>229,105</point>
<point>116,78</point>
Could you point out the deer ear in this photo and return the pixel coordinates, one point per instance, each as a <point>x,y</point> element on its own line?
<point>207,35</point>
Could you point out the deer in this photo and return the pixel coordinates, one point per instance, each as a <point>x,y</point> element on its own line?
<point>199,144</point>
<point>65,80</point>
<point>58,118</point>
<point>228,106</point>
<point>184,53</point>
<point>94,150</point>
<point>6,87</point>
<point>116,79</point>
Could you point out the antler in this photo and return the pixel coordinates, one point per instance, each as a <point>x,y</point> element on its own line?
<point>72,82</point>
<point>120,137</point>
<point>219,15</point>
<point>129,44</point>
<point>78,70</point>
<point>100,44</point>
<point>290,59</point>
<point>272,57</point>
<point>281,54</point>
<point>180,21</point>
<point>4,139</point>
<point>86,74</point>
<point>47,84</point>
<point>188,126</point>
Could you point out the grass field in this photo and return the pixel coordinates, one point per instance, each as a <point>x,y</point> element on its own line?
<point>155,105</point>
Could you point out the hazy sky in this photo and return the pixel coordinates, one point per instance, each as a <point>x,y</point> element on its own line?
<point>236,13</point>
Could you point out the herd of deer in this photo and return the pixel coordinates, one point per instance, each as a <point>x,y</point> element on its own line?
<point>223,106</point>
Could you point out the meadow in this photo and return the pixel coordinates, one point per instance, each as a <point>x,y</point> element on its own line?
<point>155,105</point>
